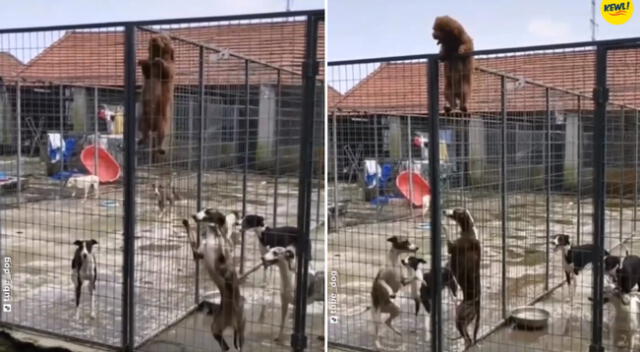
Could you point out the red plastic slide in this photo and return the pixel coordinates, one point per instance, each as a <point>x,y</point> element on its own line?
<point>108,168</point>
<point>408,181</point>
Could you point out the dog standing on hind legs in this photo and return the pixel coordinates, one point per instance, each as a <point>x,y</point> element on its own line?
<point>215,251</point>
<point>465,254</point>
<point>231,311</point>
<point>84,269</point>
<point>388,281</point>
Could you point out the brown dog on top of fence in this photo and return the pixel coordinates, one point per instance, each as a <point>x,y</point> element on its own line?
<point>157,93</point>
<point>455,47</point>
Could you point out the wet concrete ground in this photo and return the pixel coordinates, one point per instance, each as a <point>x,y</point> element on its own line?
<point>358,251</point>
<point>38,238</point>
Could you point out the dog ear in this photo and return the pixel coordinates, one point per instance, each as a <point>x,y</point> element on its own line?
<point>422,261</point>
<point>78,243</point>
<point>289,254</point>
<point>392,239</point>
<point>93,242</point>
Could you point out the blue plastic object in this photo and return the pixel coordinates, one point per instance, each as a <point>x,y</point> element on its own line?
<point>386,174</point>
<point>65,175</point>
<point>378,201</point>
<point>69,148</point>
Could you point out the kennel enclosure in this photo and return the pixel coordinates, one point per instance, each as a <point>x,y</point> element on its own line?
<point>549,146</point>
<point>246,136</point>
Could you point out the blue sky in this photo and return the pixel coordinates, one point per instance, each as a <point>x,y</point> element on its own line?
<point>371,28</point>
<point>27,13</point>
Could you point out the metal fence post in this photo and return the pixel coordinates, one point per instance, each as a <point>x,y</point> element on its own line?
<point>503,192</point>
<point>245,169</point>
<point>410,165</point>
<point>128,299</point>
<point>635,169</point>
<point>95,131</point>
<point>601,96</point>
<point>621,169</point>
<point>336,203</point>
<point>375,148</point>
<point>62,145</point>
<point>310,71</point>
<point>579,174</point>
<point>200,162</point>
<point>19,142</point>
<point>434,169</point>
<point>547,184</point>
<point>277,150</point>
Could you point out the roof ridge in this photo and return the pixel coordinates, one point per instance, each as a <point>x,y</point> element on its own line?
<point>383,65</point>
<point>47,49</point>
<point>10,55</point>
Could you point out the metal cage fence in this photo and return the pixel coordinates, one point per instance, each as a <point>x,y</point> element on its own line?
<point>246,90</point>
<point>524,160</point>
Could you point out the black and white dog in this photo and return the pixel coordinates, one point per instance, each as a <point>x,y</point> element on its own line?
<point>388,281</point>
<point>227,225</point>
<point>418,267</point>
<point>283,236</point>
<point>627,274</point>
<point>84,269</point>
<point>576,258</point>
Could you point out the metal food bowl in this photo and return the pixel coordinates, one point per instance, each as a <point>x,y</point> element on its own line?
<point>530,318</point>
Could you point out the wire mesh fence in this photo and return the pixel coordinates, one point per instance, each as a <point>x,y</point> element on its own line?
<point>521,161</point>
<point>237,111</point>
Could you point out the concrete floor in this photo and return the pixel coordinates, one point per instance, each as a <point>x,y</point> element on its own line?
<point>358,251</point>
<point>193,332</point>
<point>38,238</point>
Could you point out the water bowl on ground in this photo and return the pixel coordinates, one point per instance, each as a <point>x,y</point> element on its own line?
<point>530,318</point>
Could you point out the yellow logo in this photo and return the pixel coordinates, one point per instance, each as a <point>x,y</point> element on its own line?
<point>617,11</point>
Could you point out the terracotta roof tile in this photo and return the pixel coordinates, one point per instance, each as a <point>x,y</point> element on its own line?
<point>9,64</point>
<point>96,58</point>
<point>401,87</point>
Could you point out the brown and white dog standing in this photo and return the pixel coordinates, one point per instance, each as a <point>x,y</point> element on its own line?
<point>388,282</point>
<point>465,253</point>
<point>215,251</point>
<point>456,45</point>
<point>157,93</point>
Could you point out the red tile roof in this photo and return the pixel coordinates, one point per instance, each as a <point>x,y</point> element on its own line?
<point>9,64</point>
<point>96,58</point>
<point>401,87</point>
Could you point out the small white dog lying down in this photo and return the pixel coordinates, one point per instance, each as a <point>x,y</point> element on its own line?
<point>84,182</point>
